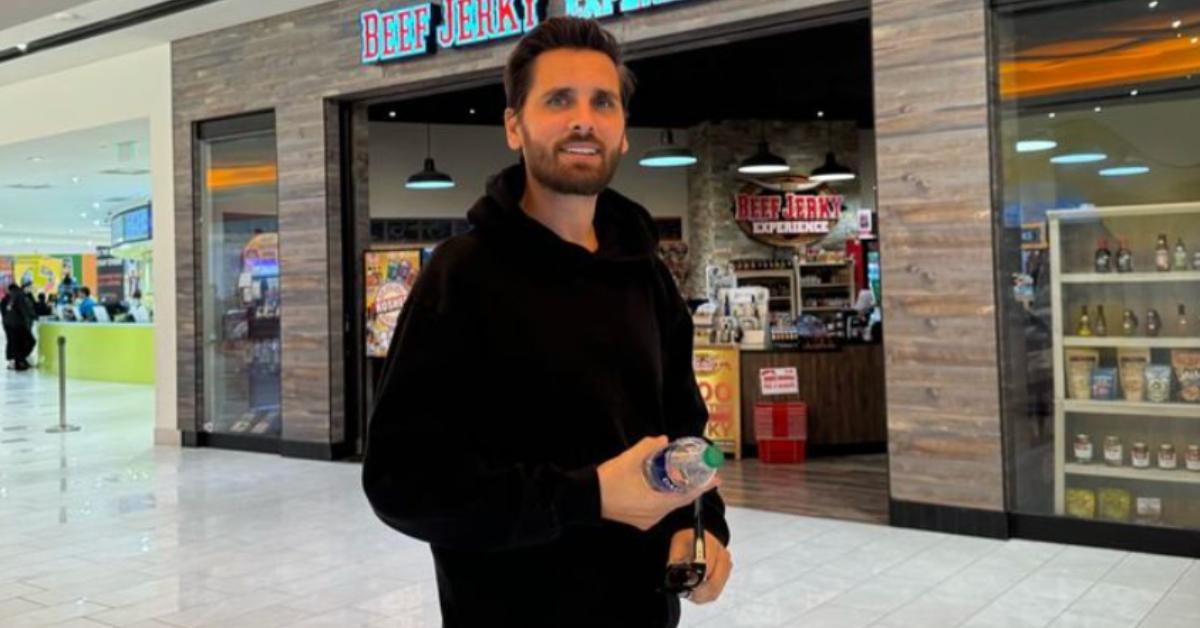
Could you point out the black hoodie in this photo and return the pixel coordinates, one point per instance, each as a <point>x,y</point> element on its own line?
<point>521,362</point>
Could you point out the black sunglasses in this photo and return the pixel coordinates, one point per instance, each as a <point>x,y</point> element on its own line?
<point>683,578</point>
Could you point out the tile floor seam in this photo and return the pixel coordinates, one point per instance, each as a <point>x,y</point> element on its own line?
<point>1061,549</point>
<point>1167,592</point>
<point>1095,582</point>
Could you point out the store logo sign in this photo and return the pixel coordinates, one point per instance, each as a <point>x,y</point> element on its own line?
<point>607,8</point>
<point>786,211</point>
<point>421,29</point>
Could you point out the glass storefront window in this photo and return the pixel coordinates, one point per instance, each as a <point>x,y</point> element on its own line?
<point>239,282</point>
<point>1098,228</point>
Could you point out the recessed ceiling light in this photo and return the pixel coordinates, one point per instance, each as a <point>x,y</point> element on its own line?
<point>1154,4</point>
<point>74,179</point>
<point>1124,171</point>
<point>472,111</point>
<point>820,114</point>
<point>1133,92</point>
<point>1176,23</point>
<point>83,214</point>
<point>36,159</point>
<point>28,240</point>
<point>1033,146</point>
<point>22,47</point>
<point>95,205</point>
<point>1078,158</point>
<point>1097,109</point>
<point>391,114</point>
<point>1053,115</point>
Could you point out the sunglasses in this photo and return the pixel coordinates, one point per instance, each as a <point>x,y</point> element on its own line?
<point>682,578</point>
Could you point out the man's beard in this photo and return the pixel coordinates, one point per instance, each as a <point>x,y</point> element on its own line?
<point>578,179</point>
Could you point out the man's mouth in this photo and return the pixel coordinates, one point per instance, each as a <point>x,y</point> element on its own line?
<point>584,149</point>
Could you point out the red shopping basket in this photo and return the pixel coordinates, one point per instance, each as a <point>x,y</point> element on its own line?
<point>783,419</point>
<point>782,450</point>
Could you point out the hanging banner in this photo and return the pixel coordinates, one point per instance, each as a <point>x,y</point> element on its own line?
<point>110,279</point>
<point>44,271</point>
<point>718,374</point>
<point>786,211</point>
<point>389,277</point>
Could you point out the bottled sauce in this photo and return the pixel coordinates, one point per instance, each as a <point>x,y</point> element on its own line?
<point>682,465</point>
<point>1153,323</point>
<point>1085,324</point>
<point>1181,325</point>
<point>1129,323</point>
<point>1103,257</point>
<point>1124,257</point>
<point>1162,254</point>
<point>1180,256</point>
<point>1114,453</point>
<point>1100,326</point>
<point>1083,449</point>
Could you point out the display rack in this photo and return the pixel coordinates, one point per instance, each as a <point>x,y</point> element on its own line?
<point>780,283</point>
<point>1071,233</point>
<point>834,292</point>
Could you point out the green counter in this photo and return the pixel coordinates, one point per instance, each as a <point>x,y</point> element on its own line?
<point>107,352</point>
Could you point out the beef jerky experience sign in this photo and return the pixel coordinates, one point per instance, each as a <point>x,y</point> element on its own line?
<point>422,29</point>
<point>787,212</point>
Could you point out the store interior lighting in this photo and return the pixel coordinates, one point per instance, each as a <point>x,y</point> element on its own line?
<point>667,154</point>
<point>831,171</point>
<point>1128,170</point>
<point>1033,146</point>
<point>429,177</point>
<point>1077,158</point>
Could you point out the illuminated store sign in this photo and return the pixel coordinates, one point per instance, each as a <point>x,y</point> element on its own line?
<point>424,28</point>
<point>786,211</point>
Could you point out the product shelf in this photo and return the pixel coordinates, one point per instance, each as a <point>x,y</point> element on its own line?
<point>1173,276</point>
<point>1132,408</point>
<point>1101,470</point>
<point>1123,211</point>
<point>1122,342</point>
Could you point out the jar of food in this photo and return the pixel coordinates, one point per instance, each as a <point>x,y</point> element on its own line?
<point>1114,453</point>
<point>1166,456</point>
<point>1193,458</point>
<point>1139,456</point>
<point>1083,448</point>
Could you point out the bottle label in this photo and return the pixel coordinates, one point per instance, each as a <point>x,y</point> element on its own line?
<point>658,472</point>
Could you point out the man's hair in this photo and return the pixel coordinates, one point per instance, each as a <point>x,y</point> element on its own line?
<point>553,34</point>
<point>85,291</point>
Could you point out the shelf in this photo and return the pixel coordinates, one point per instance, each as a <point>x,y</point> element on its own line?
<point>823,309</point>
<point>781,298</point>
<point>1137,408</point>
<point>1071,215</point>
<point>822,264</point>
<point>778,273</point>
<point>1171,276</point>
<point>824,285</point>
<point>1102,470</point>
<point>1161,342</point>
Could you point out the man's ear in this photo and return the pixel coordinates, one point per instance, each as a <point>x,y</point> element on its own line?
<point>625,143</point>
<point>511,133</point>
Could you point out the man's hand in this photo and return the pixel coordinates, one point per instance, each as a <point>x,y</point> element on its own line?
<point>625,496</point>
<point>719,564</point>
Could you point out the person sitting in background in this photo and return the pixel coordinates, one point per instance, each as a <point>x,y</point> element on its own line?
<point>41,307</point>
<point>139,312</point>
<point>87,305</point>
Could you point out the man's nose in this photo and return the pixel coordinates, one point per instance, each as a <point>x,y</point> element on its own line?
<point>584,121</point>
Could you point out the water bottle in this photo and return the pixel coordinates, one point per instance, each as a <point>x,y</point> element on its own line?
<point>682,465</point>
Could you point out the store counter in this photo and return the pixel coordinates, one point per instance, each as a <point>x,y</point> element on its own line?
<point>844,390</point>
<point>107,352</point>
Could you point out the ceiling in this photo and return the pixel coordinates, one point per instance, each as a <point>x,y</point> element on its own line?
<point>56,193</point>
<point>829,70</point>
<point>28,20</point>
<point>15,13</point>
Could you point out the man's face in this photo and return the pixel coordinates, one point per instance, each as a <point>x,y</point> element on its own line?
<point>572,127</point>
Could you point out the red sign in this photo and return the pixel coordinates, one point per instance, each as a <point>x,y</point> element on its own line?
<point>786,211</point>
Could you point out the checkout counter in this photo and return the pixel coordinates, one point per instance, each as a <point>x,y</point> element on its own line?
<point>105,352</point>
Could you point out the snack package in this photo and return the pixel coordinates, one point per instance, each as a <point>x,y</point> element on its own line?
<point>1187,371</point>
<point>1104,384</point>
<point>1158,383</point>
<point>1132,365</point>
<point>1149,510</point>
<point>1081,503</point>
<point>1080,363</point>
<point>1114,504</point>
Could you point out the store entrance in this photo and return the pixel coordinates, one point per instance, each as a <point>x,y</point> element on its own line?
<point>762,184</point>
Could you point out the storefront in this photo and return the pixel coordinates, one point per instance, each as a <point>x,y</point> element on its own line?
<point>318,76</point>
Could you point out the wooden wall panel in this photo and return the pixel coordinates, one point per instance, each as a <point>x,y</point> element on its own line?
<point>935,220</point>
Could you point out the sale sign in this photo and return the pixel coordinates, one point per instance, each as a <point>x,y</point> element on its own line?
<point>718,374</point>
<point>390,276</point>
<point>779,381</point>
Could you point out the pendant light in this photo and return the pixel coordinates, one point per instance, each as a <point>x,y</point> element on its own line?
<point>763,161</point>
<point>429,178</point>
<point>831,171</point>
<point>667,154</point>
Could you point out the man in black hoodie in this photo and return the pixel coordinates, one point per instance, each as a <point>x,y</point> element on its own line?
<point>539,360</point>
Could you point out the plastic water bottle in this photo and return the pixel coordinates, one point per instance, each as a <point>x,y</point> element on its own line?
<point>683,465</point>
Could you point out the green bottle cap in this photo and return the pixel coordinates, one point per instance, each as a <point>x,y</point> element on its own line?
<point>714,457</point>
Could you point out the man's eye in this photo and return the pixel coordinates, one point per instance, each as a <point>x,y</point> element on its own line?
<point>557,100</point>
<point>605,102</point>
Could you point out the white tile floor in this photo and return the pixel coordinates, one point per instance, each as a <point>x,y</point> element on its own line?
<point>100,528</point>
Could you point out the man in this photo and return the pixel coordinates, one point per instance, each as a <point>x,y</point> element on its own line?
<point>87,305</point>
<point>19,317</point>
<point>539,360</point>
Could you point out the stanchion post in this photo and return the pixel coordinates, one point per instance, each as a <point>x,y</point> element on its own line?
<point>62,426</point>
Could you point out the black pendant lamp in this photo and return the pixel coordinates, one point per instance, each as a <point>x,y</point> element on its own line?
<point>763,161</point>
<point>667,154</point>
<point>429,178</point>
<point>831,171</point>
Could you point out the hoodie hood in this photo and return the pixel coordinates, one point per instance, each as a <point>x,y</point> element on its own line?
<point>624,229</point>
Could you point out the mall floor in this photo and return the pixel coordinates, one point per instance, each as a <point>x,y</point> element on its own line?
<point>100,528</point>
